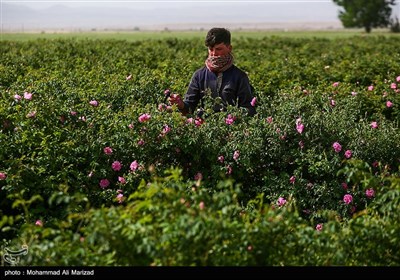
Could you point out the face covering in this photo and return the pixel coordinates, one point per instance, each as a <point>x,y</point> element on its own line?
<point>219,63</point>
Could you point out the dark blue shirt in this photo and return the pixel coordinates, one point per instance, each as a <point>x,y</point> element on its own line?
<point>235,90</point>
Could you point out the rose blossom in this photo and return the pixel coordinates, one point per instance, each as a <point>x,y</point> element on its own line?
<point>370,192</point>
<point>108,150</point>
<point>347,198</point>
<point>374,125</point>
<point>27,95</point>
<point>198,122</point>
<point>94,103</point>
<point>281,201</point>
<point>134,165</point>
<point>337,147</point>
<point>120,198</point>
<point>144,117</point>
<point>31,114</point>
<point>319,227</point>
<point>229,119</point>
<point>104,183</point>
<point>236,155</point>
<point>300,128</point>
<point>121,180</point>
<point>166,129</point>
<point>116,165</point>
<point>201,205</point>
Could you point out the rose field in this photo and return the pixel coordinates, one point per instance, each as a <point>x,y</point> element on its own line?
<point>96,169</point>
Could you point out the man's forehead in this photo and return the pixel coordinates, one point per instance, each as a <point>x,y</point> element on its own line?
<point>220,45</point>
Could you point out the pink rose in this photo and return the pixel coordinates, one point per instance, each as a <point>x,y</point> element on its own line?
<point>108,150</point>
<point>116,165</point>
<point>236,155</point>
<point>370,192</point>
<point>337,147</point>
<point>347,198</point>
<point>27,95</point>
<point>202,205</point>
<point>134,165</point>
<point>281,201</point>
<point>94,103</point>
<point>120,198</point>
<point>144,117</point>
<point>230,119</point>
<point>121,180</point>
<point>104,183</point>
<point>319,227</point>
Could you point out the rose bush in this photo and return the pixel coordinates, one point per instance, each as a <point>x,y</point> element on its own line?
<point>90,150</point>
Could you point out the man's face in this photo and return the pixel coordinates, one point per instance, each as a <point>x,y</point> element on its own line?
<point>219,50</point>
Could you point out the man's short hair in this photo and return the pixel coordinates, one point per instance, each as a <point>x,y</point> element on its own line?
<point>218,35</point>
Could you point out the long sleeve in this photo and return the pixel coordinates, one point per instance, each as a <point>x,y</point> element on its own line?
<point>235,89</point>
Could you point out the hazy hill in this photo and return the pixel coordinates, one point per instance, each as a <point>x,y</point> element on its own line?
<point>17,17</point>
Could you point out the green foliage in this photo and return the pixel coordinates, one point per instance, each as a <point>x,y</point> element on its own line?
<point>395,25</point>
<point>367,14</point>
<point>169,222</point>
<point>93,163</point>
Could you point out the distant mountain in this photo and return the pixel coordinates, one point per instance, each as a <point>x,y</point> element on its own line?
<point>18,17</point>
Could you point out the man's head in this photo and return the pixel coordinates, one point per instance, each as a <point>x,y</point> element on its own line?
<point>218,41</point>
<point>218,35</point>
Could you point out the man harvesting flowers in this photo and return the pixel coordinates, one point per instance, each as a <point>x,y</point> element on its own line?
<point>219,77</point>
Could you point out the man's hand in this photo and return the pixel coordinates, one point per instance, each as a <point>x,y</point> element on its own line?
<point>176,99</point>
